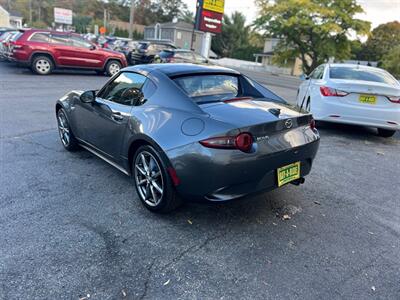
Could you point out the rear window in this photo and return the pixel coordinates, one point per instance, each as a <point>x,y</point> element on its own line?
<point>143,46</point>
<point>165,54</point>
<point>209,88</point>
<point>364,74</point>
<point>39,37</point>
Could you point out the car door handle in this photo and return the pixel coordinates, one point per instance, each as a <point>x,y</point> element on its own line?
<point>117,116</point>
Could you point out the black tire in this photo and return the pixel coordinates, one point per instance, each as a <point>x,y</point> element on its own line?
<point>386,132</point>
<point>64,130</point>
<point>166,201</point>
<point>113,67</point>
<point>42,65</point>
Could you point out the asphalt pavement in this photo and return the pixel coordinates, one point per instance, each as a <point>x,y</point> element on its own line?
<point>72,226</point>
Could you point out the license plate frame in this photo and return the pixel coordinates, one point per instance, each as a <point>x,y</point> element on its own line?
<point>288,173</point>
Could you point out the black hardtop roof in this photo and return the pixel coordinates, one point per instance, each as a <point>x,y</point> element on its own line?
<point>180,69</point>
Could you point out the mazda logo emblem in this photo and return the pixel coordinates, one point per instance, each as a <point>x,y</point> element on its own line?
<point>289,123</point>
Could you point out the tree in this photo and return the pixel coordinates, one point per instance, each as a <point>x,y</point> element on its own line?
<point>167,10</point>
<point>187,16</point>
<point>381,40</point>
<point>391,62</point>
<point>314,30</point>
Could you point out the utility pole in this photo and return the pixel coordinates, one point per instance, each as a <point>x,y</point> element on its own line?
<point>131,20</point>
<point>30,12</point>
<point>105,18</point>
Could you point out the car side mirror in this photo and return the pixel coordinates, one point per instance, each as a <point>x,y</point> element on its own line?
<point>88,97</point>
<point>304,77</point>
<point>92,47</point>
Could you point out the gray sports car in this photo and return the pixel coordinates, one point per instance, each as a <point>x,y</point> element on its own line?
<point>186,131</point>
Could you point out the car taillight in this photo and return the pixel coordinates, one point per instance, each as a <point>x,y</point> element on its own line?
<point>242,142</point>
<point>330,92</point>
<point>394,99</point>
<point>15,45</point>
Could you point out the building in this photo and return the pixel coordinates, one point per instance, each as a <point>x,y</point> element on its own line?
<point>179,33</point>
<point>15,19</point>
<point>292,66</point>
<point>10,19</point>
<point>4,17</point>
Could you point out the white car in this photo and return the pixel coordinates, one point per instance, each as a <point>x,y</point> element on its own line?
<point>352,94</point>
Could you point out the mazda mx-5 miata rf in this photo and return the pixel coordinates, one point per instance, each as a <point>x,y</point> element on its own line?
<point>186,131</point>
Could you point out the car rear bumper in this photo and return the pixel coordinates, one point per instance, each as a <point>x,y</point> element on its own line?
<point>380,117</point>
<point>221,175</point>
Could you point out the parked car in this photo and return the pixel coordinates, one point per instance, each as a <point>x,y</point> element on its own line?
<point>186,131</point>
<point>5,29</point>
<point>147,50</point>
<point>5,44</point>
<point>126,47</point>
<point>179,56</point>
<point>353,94</point>
<point>43,51</point>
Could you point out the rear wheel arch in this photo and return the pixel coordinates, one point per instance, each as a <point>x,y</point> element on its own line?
<point>36,54</point>
<point>142,140</point>
<point>111,59</point>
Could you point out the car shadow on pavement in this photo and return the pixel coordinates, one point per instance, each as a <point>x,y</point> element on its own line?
<point>354,132</point>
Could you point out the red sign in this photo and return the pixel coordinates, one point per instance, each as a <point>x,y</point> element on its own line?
<point>102,30</point>
<point>210,21</point>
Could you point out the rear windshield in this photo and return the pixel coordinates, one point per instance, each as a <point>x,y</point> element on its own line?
<point>143,46</point>
<point>209,88</point>
<point>165,54</point>
<point>357,73</point>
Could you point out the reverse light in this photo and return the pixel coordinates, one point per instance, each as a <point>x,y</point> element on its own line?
<point>242,142</point>
<point>331,92</point>
<point>394,99</point>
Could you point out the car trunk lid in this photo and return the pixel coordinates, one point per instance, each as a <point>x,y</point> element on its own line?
<point>259,117</point>
<point>357,88</point>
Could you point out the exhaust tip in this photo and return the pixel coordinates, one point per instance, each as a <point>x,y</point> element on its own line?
<point>299,181</point>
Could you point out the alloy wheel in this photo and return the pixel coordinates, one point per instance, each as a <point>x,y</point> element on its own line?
<point>42,66</point>
<point>63,129</point>
<point>114,68</point>
<point>149,178</point>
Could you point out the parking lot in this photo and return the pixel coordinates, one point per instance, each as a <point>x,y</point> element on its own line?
<point>72,226</point>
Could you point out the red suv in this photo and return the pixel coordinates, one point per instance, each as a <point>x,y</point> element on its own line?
<point>44,50</point>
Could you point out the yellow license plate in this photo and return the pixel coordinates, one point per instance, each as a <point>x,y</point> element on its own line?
<point>288,173</point>
<point>367,99</point>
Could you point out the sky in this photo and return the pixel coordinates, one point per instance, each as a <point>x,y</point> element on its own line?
<point>377,11</point>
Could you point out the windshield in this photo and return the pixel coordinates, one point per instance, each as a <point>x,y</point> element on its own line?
<point>209,88</point>
<point>365,74</point>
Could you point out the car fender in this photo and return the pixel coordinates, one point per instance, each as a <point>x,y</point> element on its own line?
<point>67,103</point>
<point>43,52</point>
<point>113,58</point>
